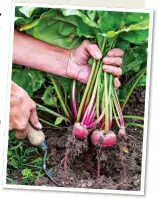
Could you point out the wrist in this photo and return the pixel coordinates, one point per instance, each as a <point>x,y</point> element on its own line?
<point>60,60</point>
<point>52,59</point>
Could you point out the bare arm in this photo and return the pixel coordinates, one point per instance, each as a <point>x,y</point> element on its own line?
<point>39,55</point>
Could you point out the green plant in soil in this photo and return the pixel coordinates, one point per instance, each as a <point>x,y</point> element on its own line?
<point>25,160</point>
<point>96,108</point>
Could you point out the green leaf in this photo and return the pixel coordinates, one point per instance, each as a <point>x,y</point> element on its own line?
<point>30,80</point>
<point>29,25</point>
<point>27,172</point>
<point>100,13</point>
<point>135,37</point>
<point>86,20</point>
<point>22,20</point>
<point>56,29</point>
<point>27,11</point>
<point>25,15</point>
<point>108,22</point>
<point>140,26</point>
<point>126,88</point>
<point>91,14</point>
<point>133,59</point>
<point>49,98</point>
<point>142,81</point>
<point>124,45</point>
<point>58,120</point>
<point>134,18</point>
<point>85,28</point>
<point>124,30</point>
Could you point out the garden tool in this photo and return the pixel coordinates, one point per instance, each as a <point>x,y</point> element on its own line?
<point>37,138</point>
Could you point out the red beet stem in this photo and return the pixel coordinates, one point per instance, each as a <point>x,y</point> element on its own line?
<point>92,125</point>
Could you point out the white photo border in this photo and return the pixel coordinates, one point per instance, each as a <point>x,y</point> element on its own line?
<point>146,120</point>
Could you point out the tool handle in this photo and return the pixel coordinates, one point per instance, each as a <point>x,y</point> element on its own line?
<point>36,137</point>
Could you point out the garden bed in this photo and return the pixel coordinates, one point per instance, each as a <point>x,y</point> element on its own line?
<point>82,168</point>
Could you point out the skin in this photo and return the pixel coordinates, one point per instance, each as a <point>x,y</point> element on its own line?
<point>70,63</point>
<point>22,110</point>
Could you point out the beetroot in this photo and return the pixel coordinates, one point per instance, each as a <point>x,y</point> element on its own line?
<point>122,132</point>
<point>109,139</point>
<point>97,137</point>
<point>79,131</point>
<point>102,139</point>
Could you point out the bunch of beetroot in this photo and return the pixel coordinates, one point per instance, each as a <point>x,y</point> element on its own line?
<point>98,109</point>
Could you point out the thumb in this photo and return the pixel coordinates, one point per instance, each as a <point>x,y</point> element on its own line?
<point>83,74</point>
<point>92,49</point>
<point>34,120</point>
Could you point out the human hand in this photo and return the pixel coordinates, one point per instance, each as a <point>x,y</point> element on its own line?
<point>22,111</point>
<point>78,67</point>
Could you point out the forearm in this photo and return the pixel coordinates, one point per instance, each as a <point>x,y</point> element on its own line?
<point>39,55</point>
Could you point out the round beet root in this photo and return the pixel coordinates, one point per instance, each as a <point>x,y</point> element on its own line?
<point>99,138</point>
<point>109,139</point>
<point>79,131</point>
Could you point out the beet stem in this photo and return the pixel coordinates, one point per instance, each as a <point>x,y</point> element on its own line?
<point>92,125</point>
<point>74,105</point>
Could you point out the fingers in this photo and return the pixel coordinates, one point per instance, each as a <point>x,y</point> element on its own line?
<point>116,82</point>
<point>113,59</point>
<point>113,70</point>
<point>34,119</point>
<point>115,52</point>
<point>22,111</point>
<point>92,49</point>
<point>21,134</point>
<point>116,61</point>
<point>21,131</point>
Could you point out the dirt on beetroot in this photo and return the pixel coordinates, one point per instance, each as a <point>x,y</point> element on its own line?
<point>118,171</point>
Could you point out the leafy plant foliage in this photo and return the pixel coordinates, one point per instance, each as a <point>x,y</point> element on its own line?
<point>68,28</point>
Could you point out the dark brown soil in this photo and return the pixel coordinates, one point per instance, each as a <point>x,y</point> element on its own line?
<point>118,171</point>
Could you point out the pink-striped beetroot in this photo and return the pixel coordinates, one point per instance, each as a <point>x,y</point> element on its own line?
<point>79,131</point>
<point>97,137</point>
<point>109,139</point>
<point>102,139</point>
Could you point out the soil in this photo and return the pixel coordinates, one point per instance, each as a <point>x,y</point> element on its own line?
<point>118,171</point>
